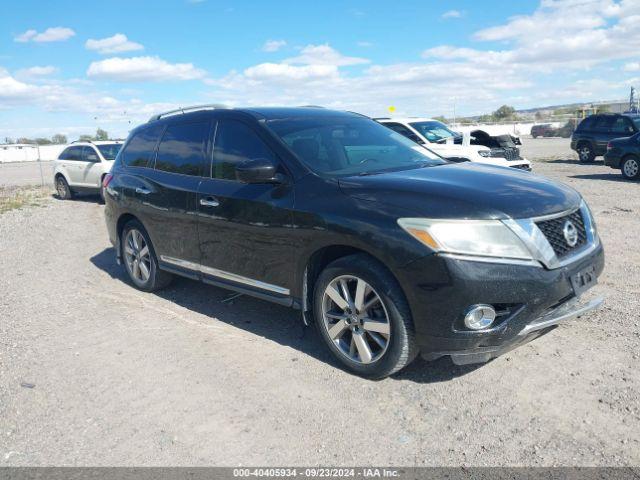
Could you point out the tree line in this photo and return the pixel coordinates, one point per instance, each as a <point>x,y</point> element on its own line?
<point>58,139</point>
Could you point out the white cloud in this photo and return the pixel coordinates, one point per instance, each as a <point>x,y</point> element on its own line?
<point>143,69</point>
<point>324,55</point>
<point>273,45</point>
<point>38,71</point>
<point>282,71</point>
<point>116,44</point>
<point>26,36</point>
<point>53,34</point>
<point>451,14</point>
<point>632,67</point>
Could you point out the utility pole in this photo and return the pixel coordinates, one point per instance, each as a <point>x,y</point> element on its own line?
<point>454,111</point>
<point>40,162</point>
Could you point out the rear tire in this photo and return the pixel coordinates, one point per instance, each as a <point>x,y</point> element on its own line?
<point>63,189</point>
<point>586,154</point>
<point>630,167</point>
<point>139,258</point>
<point>370,332</point>
<point>101,192</point>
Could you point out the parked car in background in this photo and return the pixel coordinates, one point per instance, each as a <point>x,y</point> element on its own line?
<point>542,130</point>
<point>593,134</point>
<point>548,130</point>
<point>500,150</point>
<point>389,249</point>
<point>82,166</point>
<point>624,153</point>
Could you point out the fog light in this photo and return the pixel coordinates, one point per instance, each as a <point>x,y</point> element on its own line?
<point>479,317</point>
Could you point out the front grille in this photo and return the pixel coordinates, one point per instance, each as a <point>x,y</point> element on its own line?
<point>508,153</point>
<point>553,230</point>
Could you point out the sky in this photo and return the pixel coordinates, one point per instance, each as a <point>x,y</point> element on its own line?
<point>70,67</point>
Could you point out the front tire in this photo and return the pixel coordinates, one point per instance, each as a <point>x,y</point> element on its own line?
<point>363,317</point>
<point>140,260</point>
<point>630,168</point>
<point>586,153</point>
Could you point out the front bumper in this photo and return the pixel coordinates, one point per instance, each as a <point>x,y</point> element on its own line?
<point>567,311</point>
<point>530,300</point>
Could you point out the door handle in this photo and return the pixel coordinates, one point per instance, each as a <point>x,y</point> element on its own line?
<point>143,191</point>
<point>209,202</point>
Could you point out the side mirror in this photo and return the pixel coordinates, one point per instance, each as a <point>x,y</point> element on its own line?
<point>258,170</point>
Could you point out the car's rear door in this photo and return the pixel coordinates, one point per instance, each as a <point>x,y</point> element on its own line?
<point>91,168</point>
<point>74,165</point>
<point>602,132</point>
<point>172,188</point>
<point>245,229</point>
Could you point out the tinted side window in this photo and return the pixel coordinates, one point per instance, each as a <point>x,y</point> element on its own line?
<point>622,125</point>
<point>181,149</point>
<point>236,142</point>
<point>72,153</point>
<point>603,124</point>
<point>404,131</point>
<point>140,148</point>
<point>64,155</point>
<point>89,155</point>
<point>586,124</point>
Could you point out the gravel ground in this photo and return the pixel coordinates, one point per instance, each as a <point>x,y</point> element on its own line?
<point>94,372</point>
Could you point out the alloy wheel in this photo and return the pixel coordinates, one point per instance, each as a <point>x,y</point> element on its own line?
<point>585,154</point>
<point>631,168</point>
<point>61,188</point>
<point>137,256</point>
<point>356,319</point>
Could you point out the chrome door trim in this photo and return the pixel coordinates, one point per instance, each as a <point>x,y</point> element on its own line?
<point>224,275</point>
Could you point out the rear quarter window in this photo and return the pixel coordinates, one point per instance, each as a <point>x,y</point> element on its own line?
<point>71,153</point>
<point>140,149</point>
<point>586,124</point>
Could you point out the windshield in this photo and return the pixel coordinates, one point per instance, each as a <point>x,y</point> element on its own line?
<point>434,131</point>
<point>109,150</point>
<point>343,146</point>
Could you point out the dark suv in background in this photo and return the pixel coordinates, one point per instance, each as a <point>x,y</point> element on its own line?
<point>592,135</point>
<point>388,249</point>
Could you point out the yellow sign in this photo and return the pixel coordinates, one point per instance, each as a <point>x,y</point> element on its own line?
<point>392,109</point>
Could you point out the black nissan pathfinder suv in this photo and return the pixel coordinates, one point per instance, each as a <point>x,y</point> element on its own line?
<point>390,250</point>
<point>590,139</point>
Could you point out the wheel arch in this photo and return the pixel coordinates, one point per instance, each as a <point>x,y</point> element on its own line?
<point>584,141</point>
<point>59,174</point>
<point>318,260</point>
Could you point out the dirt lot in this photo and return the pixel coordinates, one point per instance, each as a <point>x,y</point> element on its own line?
<point>94,372</point>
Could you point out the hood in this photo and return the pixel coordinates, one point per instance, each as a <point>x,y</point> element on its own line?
<point>464,191</point>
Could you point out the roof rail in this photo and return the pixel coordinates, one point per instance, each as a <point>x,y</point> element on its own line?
<point>311,106</point>
<point>82,141</point>
<point>382,118</point>
<point>177,111</point>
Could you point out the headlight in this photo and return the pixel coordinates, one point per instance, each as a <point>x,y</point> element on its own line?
<point>484,153</point>
<point>488,238</point>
